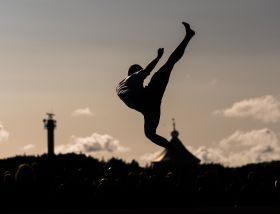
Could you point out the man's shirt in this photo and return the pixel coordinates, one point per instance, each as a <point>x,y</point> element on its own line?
<point>131,90</point>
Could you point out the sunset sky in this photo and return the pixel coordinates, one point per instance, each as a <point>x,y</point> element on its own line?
<point>67,57</point>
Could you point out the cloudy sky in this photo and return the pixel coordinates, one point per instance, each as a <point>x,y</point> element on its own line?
<point>67,57</point>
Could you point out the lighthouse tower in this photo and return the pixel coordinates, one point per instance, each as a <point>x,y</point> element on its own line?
<point>50,125</point>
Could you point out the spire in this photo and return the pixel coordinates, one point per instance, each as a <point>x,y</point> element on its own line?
<point>179,155</point>
<point>174,133</point>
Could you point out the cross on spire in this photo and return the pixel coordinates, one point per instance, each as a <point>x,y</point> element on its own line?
<point>174,133</point>
<point>173,121</point>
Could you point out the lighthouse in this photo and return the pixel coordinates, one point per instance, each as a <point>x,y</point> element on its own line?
<point>50,125</point>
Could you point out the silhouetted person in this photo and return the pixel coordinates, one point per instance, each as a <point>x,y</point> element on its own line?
<point>26,189</point>
<point>147,100</point>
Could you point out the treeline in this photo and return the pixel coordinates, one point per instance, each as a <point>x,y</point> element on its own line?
<point>76,181</point>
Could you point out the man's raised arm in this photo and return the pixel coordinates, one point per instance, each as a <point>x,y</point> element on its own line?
<point>153,63</point>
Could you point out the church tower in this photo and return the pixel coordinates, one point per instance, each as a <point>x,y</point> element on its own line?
<point>180,155</point>
<point>50,125</point>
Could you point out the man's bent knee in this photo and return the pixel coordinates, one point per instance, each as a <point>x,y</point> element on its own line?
<point>157,139</point>
<point>150,134</point>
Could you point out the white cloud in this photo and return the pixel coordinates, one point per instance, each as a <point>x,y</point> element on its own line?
<point>4,135</point>
<point>28,147</point>
<point>251,138</point>
<point>242,148</point>
<point>209,155</point>
<point>93,143</point>
<point>82,112</point>
<point>266,109</point>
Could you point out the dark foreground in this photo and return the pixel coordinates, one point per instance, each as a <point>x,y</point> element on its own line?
<point>211,210</point>
<point>78,184</point>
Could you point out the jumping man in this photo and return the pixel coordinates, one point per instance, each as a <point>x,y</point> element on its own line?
<point>147,100</point>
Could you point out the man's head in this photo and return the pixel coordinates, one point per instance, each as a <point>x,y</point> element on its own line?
<point>134,68</point>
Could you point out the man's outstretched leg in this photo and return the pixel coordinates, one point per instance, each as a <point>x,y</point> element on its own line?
<point>180,50</point>
<point>151,121</point>
<point>160,79</point>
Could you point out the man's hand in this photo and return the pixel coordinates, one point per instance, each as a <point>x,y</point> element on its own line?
<point>160,52</point>
<point>153,63</point>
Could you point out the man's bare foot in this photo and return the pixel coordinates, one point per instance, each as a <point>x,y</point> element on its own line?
<point>190,32</point>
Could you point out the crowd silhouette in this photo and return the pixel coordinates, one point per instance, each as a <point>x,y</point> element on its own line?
<point>75,181</point>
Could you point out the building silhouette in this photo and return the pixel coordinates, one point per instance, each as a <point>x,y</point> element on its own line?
<point>180,155</point>
<point>50,125</point>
